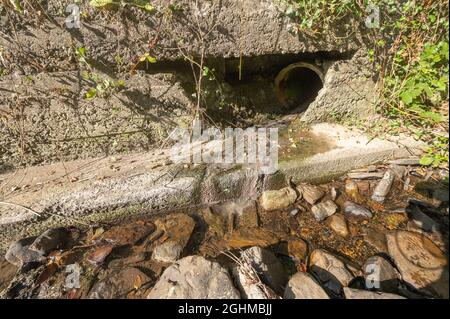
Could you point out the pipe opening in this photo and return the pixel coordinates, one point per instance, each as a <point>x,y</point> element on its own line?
<point>297,85</point>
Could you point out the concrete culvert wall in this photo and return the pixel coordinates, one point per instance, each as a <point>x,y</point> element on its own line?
<point>297,85</point>
<point>46,117</point>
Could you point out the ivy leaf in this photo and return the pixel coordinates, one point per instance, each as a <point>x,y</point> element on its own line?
<point>427,160</point>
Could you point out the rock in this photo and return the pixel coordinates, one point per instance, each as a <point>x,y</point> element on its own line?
<point>383,187</point>
<point>250,287</point>
<point>435,236</point>
<point>357,211</point>
<point>119,284</point>
<point>376,239</point>
<point>441,194</point>
<point>248,216</point>
<point>365,175</point>
<point>297,249</point>
<point>167,252</point>
<point>311,194</point>
<point>324,210</point>
<point>246,237</point>
<point>280,199</point>
<point>303,286</point>
<point>19,253</point>
<point>128,234</point>
<point>338,224</point>
<point>412,161</point>
<point>421,263</point>
<point>364,294</point>
<point>269,268</point>
<point>398,170</point>
<point>53,239</point>
<point>7,272</point>
<point>98,256</point>
<point>380,275</point>
<point>215,221</point>
<point>194,277</point>
<point>331,271</point>
<point>178,229</point>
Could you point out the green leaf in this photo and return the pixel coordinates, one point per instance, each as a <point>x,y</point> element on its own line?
<point>427,160</point>
<point>151,59</point>
<point>100,3</point>
<point>91,93</point>
<point>16,5</point>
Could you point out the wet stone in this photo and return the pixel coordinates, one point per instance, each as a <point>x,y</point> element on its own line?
<point>338,224</point>
<point>376,239</point>
<point>194,277</point>
<point>119,284</point>
<point>310,193</point>
<point>331,271</point>
<point>278,199</point>
<point>53,239</point>
<point>304,286</point>
<point>178,229</point>
<point>380,275</point>
<point>421,263</point>
<point>364,294</point>
<point>19,253</point>
<point>269,268</point>
<point>128,234</point>
<point>323,210</point>
<point>384,186</point>
<point>357,211</point>
<point>247,237</point>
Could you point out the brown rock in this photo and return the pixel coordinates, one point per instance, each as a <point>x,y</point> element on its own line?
<point>324,210</point>
<point>119,285</point>
<point>99,255</point>
<point>311,194</point>
<point>421,263</point>
<point>376,239</point>
<point>248,216</point>
<point>128,234</point>
<point>178,229</point>
<point>338,224</point>
<point>245,237</point>
<point>278,199</point>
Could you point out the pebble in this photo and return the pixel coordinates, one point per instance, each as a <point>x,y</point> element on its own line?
<point>358,211</point>
<point>278,199</point>
<point>19,253</point>
<point>384,186</point>
<point>331,271</point>
<point>53,239</point>
<point>269,268</point>
<point>338,224</point>
<point>194,277</point>
<point>311,194</point>
<point>323,210</point>
<point>303,286</point>
<point>380,275</point>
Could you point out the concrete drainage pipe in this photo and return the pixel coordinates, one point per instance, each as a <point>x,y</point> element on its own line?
<point>297,85</point>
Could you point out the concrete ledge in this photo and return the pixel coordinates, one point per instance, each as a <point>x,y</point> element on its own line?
<point>107,190</point>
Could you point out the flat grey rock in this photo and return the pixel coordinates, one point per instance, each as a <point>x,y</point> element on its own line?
<point>194,277</point>
<point>303,286</point>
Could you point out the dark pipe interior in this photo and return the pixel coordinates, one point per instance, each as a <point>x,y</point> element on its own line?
<point>300,87</point>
